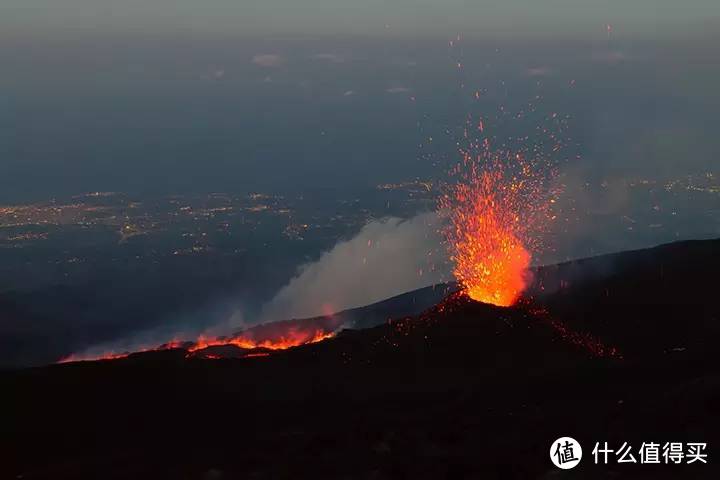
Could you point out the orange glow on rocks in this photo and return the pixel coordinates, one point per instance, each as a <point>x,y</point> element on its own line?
<point>291,338</point>
<point>256,341</point>
<point>112,355</point>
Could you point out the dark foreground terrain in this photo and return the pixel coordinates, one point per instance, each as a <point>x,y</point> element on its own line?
<point>620,348</point>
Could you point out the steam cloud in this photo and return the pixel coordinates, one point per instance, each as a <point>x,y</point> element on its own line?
<point>388,257</point>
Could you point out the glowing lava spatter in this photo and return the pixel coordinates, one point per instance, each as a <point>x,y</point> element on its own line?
<point>491,261</point>
<point>496,208</point>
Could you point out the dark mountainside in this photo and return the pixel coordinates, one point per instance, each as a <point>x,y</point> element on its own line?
<point>31,332</point>
<point>619,348</point>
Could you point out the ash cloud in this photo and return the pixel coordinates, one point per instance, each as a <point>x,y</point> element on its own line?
<point>386,258</point>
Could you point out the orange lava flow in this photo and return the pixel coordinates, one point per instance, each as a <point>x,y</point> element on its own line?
<point>82,358</point>
<point>115,355</point>
<point>293,338</point>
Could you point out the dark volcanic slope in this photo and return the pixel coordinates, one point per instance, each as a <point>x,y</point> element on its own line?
<point>648,301</point>
<point>618,348</point>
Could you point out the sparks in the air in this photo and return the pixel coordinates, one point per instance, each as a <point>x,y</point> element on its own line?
<point>497,205</point>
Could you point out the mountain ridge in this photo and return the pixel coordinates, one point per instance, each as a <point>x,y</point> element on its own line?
<point>626,353</point>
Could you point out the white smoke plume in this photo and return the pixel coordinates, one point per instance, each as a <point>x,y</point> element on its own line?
<point>387,257</point>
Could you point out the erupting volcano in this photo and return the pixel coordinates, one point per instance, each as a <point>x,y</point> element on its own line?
<point>517,375</point>
<point>491,261</point>
<point>496,208</point>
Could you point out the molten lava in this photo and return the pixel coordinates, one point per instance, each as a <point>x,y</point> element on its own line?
<point>491,261</point>
<point>112,355</point>
<point>291,338</point>
<point>256,340</point>
<point>496,209</point>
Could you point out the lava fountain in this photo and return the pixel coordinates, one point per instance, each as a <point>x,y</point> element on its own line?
<point>496,207</point>
<point>491,260</point>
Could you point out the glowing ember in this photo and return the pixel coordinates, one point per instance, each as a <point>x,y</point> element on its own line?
<point>255,355</point>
